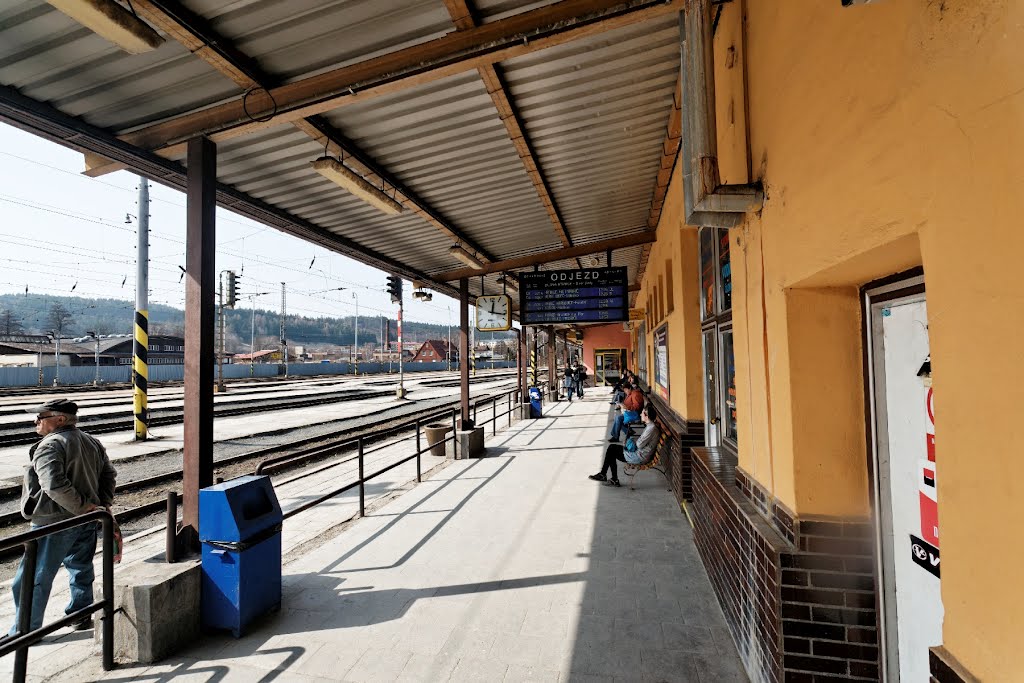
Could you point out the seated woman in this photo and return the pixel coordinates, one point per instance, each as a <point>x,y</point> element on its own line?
<point>635,452</point>
<point>631,407</point>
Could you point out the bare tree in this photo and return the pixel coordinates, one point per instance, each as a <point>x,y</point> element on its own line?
<point>8,323</point>
<point>59,319</point>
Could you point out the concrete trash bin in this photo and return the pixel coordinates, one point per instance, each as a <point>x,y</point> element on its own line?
<point>240,531</point>
<point>435,437</point>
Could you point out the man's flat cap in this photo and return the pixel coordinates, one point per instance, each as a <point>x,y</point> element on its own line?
<point>55,405</point>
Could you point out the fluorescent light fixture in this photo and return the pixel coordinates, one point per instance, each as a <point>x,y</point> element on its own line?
<point>466,257</point>
<point>109,20</point>
<point>338,173</point>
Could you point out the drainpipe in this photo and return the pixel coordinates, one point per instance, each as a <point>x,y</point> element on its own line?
<point>706,202</point>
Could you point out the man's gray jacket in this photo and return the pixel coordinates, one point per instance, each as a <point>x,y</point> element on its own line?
<point>70,471</point>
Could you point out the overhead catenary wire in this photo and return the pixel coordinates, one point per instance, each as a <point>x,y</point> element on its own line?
<point>170,262</point>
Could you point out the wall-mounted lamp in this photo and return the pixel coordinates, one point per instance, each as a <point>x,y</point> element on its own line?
<point>466,257</point>
<point>338,173</point>
<point>113,22</point>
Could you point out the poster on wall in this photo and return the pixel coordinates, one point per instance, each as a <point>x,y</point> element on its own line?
<point>661,361</point>
<point>912,566</point>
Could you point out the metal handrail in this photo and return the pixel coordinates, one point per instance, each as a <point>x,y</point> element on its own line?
<point>361,452</point>
<point>20,643</point>
<point>271,463</point>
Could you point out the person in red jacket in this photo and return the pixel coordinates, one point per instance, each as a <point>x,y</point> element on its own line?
<point>631,407</point>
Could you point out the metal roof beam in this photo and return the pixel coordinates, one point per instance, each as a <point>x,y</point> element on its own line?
<point>454,53</point>
<point>462,14</point>
<point>603,246</point>
<point>194,33</point>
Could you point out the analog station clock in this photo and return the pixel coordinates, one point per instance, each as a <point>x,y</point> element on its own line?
<point>493,313</point>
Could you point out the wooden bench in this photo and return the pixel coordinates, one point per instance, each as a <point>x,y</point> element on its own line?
<point>634,429</point>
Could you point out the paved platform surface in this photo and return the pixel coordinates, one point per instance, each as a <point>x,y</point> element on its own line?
<point>514,567</point>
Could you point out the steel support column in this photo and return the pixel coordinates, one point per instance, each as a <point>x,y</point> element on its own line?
<point>552,363</point>
<point>524,365</point>
<point>465,358</point>
<point>200,245</point>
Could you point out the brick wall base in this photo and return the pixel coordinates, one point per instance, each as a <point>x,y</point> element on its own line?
<point>798,595</point>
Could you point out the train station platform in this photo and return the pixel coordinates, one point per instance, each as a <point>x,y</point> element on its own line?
<point>513,567</point>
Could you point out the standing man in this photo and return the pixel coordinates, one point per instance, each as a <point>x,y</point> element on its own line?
<point>581,378</point>
<point>70,475</point>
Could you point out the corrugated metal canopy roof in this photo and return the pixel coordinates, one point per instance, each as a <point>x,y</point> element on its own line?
<point>591,89</point>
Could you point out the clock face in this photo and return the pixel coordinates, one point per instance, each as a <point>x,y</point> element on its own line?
<point>493,313</point>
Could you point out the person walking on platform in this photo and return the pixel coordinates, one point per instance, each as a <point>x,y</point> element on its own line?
<point>631,407</point>
<point>635,452</point>
<point>70,475</point>
<point>568,383</point>
<point>581,379</point>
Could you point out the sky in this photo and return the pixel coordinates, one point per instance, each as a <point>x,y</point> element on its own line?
<point>63,233</point>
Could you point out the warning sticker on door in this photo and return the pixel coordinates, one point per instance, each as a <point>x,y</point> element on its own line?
<point>924,554</point>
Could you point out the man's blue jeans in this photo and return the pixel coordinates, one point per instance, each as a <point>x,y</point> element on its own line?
<point>74,548</point>
<point>624,418</point>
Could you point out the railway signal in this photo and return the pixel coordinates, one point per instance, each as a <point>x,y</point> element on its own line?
<point>395,288</point>
<point>230,288</point>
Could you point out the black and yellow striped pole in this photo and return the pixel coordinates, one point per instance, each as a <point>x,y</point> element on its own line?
<point>140,364</point>
<point>140,367</point>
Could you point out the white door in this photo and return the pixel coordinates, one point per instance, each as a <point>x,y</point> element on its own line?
<point>905,476</point>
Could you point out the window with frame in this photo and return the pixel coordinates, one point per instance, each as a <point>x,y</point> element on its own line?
<point>716,327</point>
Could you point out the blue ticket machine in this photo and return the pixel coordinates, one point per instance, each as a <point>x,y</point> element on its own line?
<point>240,531</point>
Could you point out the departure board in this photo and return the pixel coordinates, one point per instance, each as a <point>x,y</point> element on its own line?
<point>591,295</point>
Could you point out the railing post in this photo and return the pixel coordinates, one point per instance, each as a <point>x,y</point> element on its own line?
<point>419,477</point>
<point>108,592</point>
<point>509,413</point>
<point>172,532</point>
<point>28,582</point>
<point>494,416</point>
<point>362,487</point>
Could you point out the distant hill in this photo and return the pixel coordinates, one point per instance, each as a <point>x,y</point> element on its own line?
<point>31,314</point>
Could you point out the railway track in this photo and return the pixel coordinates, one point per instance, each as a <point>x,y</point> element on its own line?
<point>154,398</point>
<point>158,417</point>
<point>147,496</point>
<point>13,434</point>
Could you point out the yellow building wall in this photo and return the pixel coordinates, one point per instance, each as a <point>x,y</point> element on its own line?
<point>887,136</point>
<point>676,249</point>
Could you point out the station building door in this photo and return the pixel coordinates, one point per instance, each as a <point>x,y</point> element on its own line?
<point>608,364</point>
<point>904,468</point>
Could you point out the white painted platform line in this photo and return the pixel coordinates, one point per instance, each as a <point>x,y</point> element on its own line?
<point>510,568</point>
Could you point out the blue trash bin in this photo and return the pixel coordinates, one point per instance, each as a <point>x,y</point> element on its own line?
<point>536,403</point>
<point>240,530</point>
